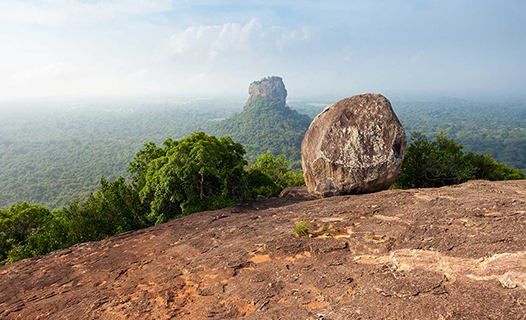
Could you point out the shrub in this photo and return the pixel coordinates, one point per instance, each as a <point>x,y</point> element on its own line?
<point>302,228</point>
<point>442,162</point>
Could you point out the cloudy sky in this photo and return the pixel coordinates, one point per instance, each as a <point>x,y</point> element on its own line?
<point>148,47</point>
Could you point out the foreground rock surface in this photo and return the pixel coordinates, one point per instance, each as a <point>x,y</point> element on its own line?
<point>354,146</point>
<point>450,253</point>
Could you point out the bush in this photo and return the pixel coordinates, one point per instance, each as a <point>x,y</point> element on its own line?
<point>269,175</point>
<point>442,162</point>
<point>18,224</point>
<point>197,173</point>
<point>302,228</point>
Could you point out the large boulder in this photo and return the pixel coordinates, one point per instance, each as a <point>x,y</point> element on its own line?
<point>354,146</point>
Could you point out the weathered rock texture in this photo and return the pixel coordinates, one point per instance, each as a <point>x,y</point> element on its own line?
<point>354,146</point>
<point>269,87</point>
<point>451,253</point>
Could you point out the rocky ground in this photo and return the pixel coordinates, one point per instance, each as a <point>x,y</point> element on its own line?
<point>450,253</point>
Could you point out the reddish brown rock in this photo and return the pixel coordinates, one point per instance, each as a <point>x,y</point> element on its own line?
<point>294,192</point>
<point>457,252</point>
<point>269,87</point>
<point>354,146</point>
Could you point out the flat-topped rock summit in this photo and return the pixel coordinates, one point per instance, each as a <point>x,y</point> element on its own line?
<point>450,253</point>
<point>269,87</point>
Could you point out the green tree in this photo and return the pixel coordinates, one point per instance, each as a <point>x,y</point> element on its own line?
<point>433,163</point>
<point>489,169</point>
<point>140,163</point>
<point>442,162</point>
<point>274,167</point>
<point>17,224</point>
<point>197,173</point>
<point>113,209</point>
<point>269,175</point>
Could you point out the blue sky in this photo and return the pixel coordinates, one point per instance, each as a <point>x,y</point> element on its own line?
<point>207,48</point>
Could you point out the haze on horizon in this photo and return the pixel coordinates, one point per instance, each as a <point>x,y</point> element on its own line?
<point>151,47</point>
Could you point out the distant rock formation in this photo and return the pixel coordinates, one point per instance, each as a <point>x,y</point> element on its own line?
<point>268,87</point>
<point>354,146</point>
<point>266,123</point>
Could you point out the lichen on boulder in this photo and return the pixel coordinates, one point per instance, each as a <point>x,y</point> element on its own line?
<point>356,145</point>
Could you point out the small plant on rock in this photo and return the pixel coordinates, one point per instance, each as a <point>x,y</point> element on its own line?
<point>302,228</point>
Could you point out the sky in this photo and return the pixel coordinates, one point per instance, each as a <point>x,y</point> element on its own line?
<point>207,48</point>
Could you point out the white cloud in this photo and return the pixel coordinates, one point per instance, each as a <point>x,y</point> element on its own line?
<point>212,46</point>
<point>227,57</point>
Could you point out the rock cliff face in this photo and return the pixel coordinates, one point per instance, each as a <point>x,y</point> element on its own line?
<point>451,253</point>
<point>354,146</point>
<point>269,87</point>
